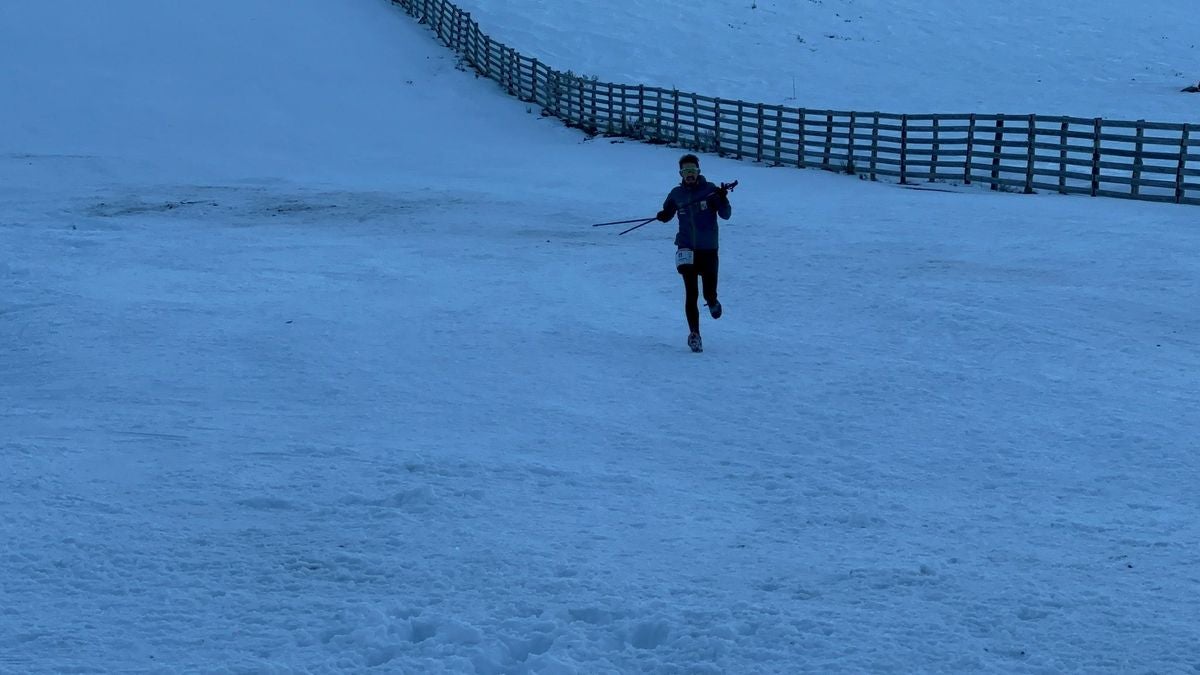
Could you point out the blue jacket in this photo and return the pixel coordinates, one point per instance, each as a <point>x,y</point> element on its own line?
<point>697,217</point>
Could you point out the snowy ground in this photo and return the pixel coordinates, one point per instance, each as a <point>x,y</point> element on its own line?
<point>1089,58</point>
<point>353,386</point>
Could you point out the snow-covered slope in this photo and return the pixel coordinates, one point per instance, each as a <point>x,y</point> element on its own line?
<point>313,364</point>
<point>242,89</point>
<point>1089,58</point>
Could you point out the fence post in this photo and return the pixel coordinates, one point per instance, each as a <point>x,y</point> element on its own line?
<point>803,149</point>
<point>514,73</point>
<point>515,58</point>
<point>1062,158</point>
<point>717,126</point>
<point>487,57</point>
<point>779,136</point>
<point>1029,166</point>
<point>658,112</point>
<point>561,96</point>
<point>464,29</point>
<point>505,72</point>
<point>592,111</point>
<point>760,132</point>
<point>850,168</point>
<point>696,121</point>
<point>635,114</point>
<point>997,149</point>
<point>970,149</point>
<point>741,129</point>
<point>533,93</point>
<point>532,98</point>
<point>675,114</point>
<point>641,104</point>
<point>620,108</point>
<point>476,34</point>
<point>904,149</point>
<point>609,126</point>
<point>1137,158</point>
<point>509,54</point>
<point>828,140</point>
<point>533,64</point>
<point>933,156</point>
<point>562,93</point>
<point>583,107</point>
<point>1183,153</point>
<point>874,145</point>
<point>502,66</point>
<point>572,101</point>
<point>1099,124</point>
<point>444,26</point>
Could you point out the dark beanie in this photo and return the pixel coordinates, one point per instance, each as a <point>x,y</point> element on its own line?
<point>689,159</point>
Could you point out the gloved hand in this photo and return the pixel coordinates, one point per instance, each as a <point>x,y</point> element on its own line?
<point>717,198</point>
<point>663,216</point>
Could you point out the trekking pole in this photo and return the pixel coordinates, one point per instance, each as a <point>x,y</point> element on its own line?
<point>728,187</point>
<point>643,223</point>
<point>619,222</point>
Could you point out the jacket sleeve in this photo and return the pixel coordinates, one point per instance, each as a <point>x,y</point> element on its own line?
<point>669,205</point>
<point>725,210</point>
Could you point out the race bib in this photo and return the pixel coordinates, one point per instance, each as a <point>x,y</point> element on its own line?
<point>683,257</point>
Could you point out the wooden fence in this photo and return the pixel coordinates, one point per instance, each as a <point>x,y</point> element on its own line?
<point>1017,153</point>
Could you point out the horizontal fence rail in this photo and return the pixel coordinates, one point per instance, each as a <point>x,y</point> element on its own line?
<point>1015,153</point>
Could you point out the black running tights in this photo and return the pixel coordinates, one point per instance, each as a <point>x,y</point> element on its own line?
<point>703,268</point>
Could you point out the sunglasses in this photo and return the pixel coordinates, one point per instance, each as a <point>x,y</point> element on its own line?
<point>689,171</point>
